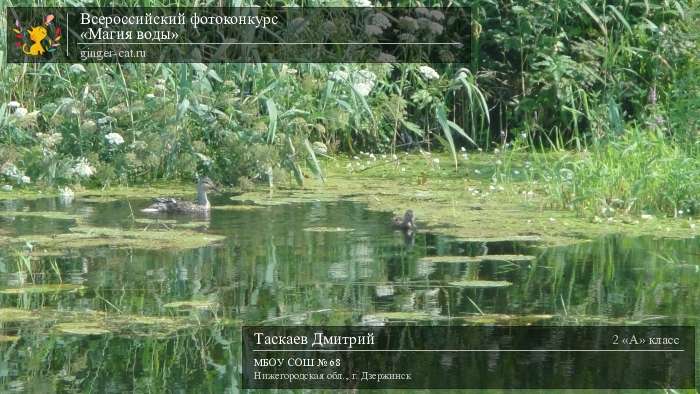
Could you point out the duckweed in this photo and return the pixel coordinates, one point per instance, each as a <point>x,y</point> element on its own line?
<point>481,284</point>
<point>43,289</point>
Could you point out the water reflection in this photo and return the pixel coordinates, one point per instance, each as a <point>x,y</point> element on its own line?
<point>269,270</point>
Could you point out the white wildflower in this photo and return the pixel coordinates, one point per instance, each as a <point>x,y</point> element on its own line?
<point>104,120</point>
<point>319,148</point>
<point>25,180</point>
<point>13,105</point>
<point>381,20</point>
<point>428,73</point>
<point>20,112</point>
<point>437,15</point>
<point>363,82</point>
<point>422,11</point>
<point>338,76</point>
<point>83,168</point>
<point>462,149</point>
<point>435,28</point>
<point>88,126</point>
<point>77,68</point>
<point>10,171</point>
<point>65,192</point>
<point>408,23</point>
<point>150,96</point>
<point>386,58</point>
<point>114,138</point>
<point>405,37</point>
<point>373,30</point>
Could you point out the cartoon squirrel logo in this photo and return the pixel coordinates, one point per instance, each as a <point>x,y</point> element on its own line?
<point>40,41</point>
<point>36,35</point>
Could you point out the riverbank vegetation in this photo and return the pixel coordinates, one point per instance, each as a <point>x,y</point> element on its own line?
<point>594,105</point>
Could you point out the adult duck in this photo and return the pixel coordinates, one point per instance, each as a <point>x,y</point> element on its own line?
<point>171,205</point>
<point>406,223</point>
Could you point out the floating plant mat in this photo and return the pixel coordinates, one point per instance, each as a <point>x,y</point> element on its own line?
<point>281,198</point>
<point>82,328</point>
<point>155,221</point>
<point>515,258</point>
<point>97,199</point>
<point>402,316</point>
<point>481,284</point>
<point>43,289</point>
<point>513,238</point>
<point>186,305</point>
<point>52,215</point>
<point>489,318</point>
<point>328,229</point>
<point>16,315</point>
<point>242,207</point>
<point>493,318</point>
<point>150,239</point>
<point>100,323</point>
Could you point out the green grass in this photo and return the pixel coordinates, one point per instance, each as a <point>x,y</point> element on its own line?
<point>640,172</point>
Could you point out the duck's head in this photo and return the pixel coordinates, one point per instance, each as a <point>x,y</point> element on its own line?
<point>205,183</point>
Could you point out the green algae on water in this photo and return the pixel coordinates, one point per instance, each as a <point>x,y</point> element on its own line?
<point>328,229</point>
<point>43,289</point>
<point>476,259</point>
<point>481,284</point>
<point>16,315</point>
<point>87,328</point>
<point>401,316</point>
<point>148,239</point>
<point>183,305</point>
<point>242,207</point>
<point>51,215</point>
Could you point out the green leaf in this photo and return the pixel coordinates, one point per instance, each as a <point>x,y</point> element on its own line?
<point>315,165</point>
<point>183,107</point>
<point>595,17</point>
<point>621,18</point>
<point>441,116</point>
<point>413,127</point>
<point>272,114</point>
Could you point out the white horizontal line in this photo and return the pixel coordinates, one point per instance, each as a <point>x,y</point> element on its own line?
<point>269,43</point>
<point>466,350</point>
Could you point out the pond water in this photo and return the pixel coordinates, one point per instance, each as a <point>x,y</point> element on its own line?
<point>146,318</point>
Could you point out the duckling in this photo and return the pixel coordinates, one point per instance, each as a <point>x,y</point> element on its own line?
<point>405,223</point>
<point>171,205</point>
